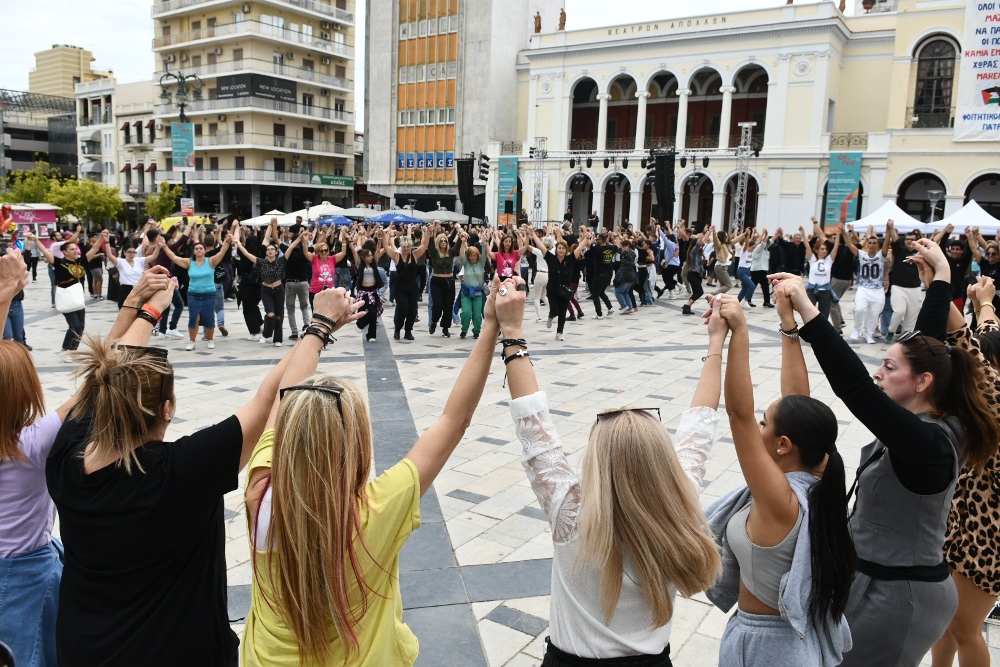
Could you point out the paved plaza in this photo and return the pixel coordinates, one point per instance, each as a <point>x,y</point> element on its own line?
<point>475,576</point>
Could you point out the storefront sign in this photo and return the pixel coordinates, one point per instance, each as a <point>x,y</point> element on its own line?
<point>411,161</point>
<point>32,216</point>
<point>842,189</point>
<point>449,161</point>
<point>977,112</point>
<point>187,206</point>
<point>686,24</point>
<point>429,160</point>
<point>182,145</point>
<point>332,181</point>
<point>420,160</point>
<point>506,189</point>
<point>257,85</point>
<point>440,160</point>
<point>401,161</point>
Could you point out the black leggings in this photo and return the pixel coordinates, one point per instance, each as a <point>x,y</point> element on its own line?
<point>694,280</point>
<point>406,309</point>
<point>443,300</point>
<point>597,288</point>
<point>760,278</point>
<point>670,274</point>
<point>822,299</point>
<point>250,301</point>
<point>274,309</point>
<point>557,309</point>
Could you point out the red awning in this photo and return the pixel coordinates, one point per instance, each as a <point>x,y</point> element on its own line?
<point>125,168</point>
<point>125,125</point>
<point>138,123</point>
<point>138,167</point>
<point>151,123</point>
<point>150,168</point>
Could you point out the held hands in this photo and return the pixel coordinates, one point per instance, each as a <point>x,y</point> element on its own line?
<point>507,301</point>
<point>13,274</point>
<point>930,261</point>
<point>982,292</point>
<point>718,327</point>
<point>730,310</point>
<point>337,305</point>
<point>790,286</point>
<point>155,287</point>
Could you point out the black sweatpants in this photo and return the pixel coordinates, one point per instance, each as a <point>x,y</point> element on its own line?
<point>557,308</point>
<point>670,275</point>
<point>760,278</point>
<point>694,280</point>
<point>597,289</point>
<point>406,309</point>
<point>442,300</point>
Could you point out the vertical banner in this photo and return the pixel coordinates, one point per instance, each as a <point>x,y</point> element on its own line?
<point>507,191</point>
<point>842,189</point>
<point>977,108</point>
<point>187,206</point>
<point>182,145</point>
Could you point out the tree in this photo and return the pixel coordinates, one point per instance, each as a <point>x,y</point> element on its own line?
<point>164,202</point>
<point>87,200</point>
<point>34,185</point>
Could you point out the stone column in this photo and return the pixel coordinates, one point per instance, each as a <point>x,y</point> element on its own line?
<point>640,122</point>
<point>635,208</point>
<point>602,122</point>
<point>682,117</point>
<point>532,112</point>
<point>718,201</point>
<point>727,115</point>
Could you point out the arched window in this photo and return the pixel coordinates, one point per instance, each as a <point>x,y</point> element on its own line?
<point>933,92</point>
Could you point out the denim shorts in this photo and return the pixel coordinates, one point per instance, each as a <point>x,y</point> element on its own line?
<point>203,305</point>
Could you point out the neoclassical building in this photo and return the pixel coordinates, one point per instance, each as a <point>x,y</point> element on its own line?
<point>814,80</point>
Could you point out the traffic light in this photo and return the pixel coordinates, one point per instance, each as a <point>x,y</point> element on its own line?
<point>484,167</point>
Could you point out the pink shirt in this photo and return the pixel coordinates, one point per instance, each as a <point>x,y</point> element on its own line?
<point>26,510</point>
<point>508,264</point>
<point>323,272</point>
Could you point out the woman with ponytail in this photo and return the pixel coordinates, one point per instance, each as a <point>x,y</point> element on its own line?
<point>786,547</point>
<point>929,417</point>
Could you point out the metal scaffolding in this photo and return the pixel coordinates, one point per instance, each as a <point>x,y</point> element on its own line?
<point>15,101</point>
<point>539,153</point>
<point>743,152</point>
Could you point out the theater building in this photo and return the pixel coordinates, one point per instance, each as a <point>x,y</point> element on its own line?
<point>816,82</point>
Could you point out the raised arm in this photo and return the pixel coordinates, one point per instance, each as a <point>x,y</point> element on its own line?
<point>13,278</point>
<point>836,243</point>
<point>419,251</point>
<point>183,262</point>
<point>807,243</point>
<point>794,375</point>
<point>851,245</point>
<point>217,258</point>
<point>389,245</point>
<point>307,238</point>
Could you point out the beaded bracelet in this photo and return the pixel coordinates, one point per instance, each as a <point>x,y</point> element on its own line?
<point>510,342</point>
<point>792,333</point>
<point>325,320</point>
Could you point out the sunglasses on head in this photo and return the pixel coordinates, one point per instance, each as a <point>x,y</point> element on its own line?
<point>333,391</point>
<point>910,335</point>
<point>611,413</point>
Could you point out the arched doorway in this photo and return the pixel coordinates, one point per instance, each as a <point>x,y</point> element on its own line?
<point>986,191</point>
<point>704,109</point>
<point>753,193</point>
<point>696,200</point>
<point>580,198</point>
<point>661,111</point>
<point>749,103</point>
<point>623,113</point>
<point>584,116</point>
<point>858,203</point>
<point>617,191</point>
<point>914,196</point>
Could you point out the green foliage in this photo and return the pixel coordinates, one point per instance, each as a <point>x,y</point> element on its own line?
<point>32,186</point>
<point>164,202</point>
<point>87,200</point>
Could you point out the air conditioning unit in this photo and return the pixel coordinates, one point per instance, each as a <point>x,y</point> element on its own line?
<point>222,118</point>
<point>325,25</point>
<point>322,128</point>
<point>290,55</point>
<point>296,164</point>
<point>324,92</point>
<point>326,61</point>
<point>337,27</point>
<point>159,127</point>
<point>325,36</point>
<point>171,58</point>
<point>218,50</point>
<point>246,9</point>
<point>294,144</point>
<point>184,57</point>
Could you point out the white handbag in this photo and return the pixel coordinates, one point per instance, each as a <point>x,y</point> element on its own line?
<point>70,299</point>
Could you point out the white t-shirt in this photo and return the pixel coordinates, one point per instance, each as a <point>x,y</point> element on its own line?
<point>871,271</point>
<point>819,270</point>
<point>130,275</point>
<point>746,259</point>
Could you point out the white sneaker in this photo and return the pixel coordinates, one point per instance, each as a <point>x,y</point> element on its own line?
<point>856,336</point>
<point>254,337</point>
<point>279,344</point>
<point>174,333</point>
<point>744,305</point>
<point>560,337</point>
<point>265,341</point>
<point>189,347</point>
<point>869,340</point>
<point>539,319</point>
<point>156,334</point>
<point>211,344</point>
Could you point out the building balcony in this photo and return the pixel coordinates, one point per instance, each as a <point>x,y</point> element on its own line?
<point>252,103</point>
<point>87,121</point>
<point>319,9</point>
<point>138,144</point>
<point>228,141</point>
<point>249,176</point>
<point>264,67</point>
<point>312,41</point>
<point>922,118</point>
<point>846,141</point>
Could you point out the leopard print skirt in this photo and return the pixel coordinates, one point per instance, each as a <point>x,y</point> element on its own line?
<point>971,545</point>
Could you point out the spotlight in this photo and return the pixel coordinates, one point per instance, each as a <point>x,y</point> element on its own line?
<point>643,163</point>
<point>590,163</point>
<point>704,162</point>
<point>607,162</point>
<point>684,161</point>
<point>625,163</point>
<point>572,163</point>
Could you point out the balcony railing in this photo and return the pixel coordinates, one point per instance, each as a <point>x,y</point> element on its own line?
<point>622,144</point>
<point>659,142</point>
<point>308,40</point>
<point>308,5</point>
<point>848,141</point>
<point>345,117</point>
<point>583,144</point>
<point>511,147</point>
<point>144,141</point>
<point>229,175</point>
<point>917,118</point>
<point>85,121</point>
<point>261,140</point>
<point>263,66</point>
<point>702,142</point>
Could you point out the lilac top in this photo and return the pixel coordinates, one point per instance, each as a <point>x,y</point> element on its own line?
<point>26,510</point>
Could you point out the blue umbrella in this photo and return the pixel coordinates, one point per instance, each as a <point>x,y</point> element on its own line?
<point>395,217</point>
<point>337,220</point>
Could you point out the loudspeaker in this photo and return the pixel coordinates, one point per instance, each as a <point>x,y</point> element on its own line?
<point>508,207</point>
<point>464,167</point>
<point>664,184</point>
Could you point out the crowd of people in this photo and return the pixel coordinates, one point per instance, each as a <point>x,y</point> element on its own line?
<point>901,564</point>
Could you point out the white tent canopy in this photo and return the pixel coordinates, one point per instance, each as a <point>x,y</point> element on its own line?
<point>970,215</point>
<point>264,220</point>
<point>314,212</point>
<point>889,211</point>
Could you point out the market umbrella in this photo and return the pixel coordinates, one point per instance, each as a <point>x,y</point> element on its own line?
<point>395,218</point>
<point>358,212</point>
<point>337,220</point>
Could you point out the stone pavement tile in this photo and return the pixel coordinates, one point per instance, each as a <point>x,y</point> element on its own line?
<point>481,609</point>
<point>504,581</point>
<point>480,551</point>
<point>522,660</point>
<point>448,636</point>
<point>516,529</point>
<point>516,619</point>
<point>432,588</point>
<point>697,651</point>
<point>468,525</point>
<point>714,624</point>
<point>427,549</point>
<point>536,606</point>
<point>500,642</point>
<point>537,548</point>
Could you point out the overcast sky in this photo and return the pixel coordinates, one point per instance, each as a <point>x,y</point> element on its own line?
<point>120,32</point>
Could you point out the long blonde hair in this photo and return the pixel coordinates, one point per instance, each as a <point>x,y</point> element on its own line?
<point>637,499</point>
<point>319,471</point>
<point>23,403</point>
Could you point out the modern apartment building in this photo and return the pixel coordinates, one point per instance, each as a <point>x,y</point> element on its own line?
<point>95,130</point>
<point>272,101</point>
<point>59,69</point>
<point>441,82</point>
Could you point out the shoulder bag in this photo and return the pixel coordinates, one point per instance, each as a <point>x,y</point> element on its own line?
<point>70,299</point>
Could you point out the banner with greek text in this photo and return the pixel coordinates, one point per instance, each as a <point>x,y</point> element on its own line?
<point>842,189</point>
<point>507,190</point>
<point>182,146</point>
<point>977,111</point>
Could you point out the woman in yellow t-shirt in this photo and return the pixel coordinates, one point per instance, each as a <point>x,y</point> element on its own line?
<point>325,540</point>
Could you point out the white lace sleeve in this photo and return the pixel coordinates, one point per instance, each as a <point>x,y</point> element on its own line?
<point>553,480</point>
<point>693,441</point>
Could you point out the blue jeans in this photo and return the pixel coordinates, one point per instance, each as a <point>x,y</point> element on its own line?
<point>343,277</point>
<point>392,287</point>
<point>52,284</point>
<point>886,317</point>
<point>203,305</point>
<point>385,282</point>
<point>746,284</point>
<point>622,293</point>
<point>13,328</point>
<point>29,601</point>
<point>76,322</point>
<point>525,270</point>
<point>220,304</point>
<point>177,304</point>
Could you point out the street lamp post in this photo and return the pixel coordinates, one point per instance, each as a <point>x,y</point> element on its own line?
<point>934,196</point>
<point>182,80</point>
<point>307,203</point>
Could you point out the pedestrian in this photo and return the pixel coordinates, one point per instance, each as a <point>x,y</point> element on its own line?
<point>298,275</point>
<point>542,273</point>
<point>70,271</point>
<point>906,293</point>
<point>130,266</point>
<point>562,268</point>
<point>442,287</point>
<point>407,260</point>
<point>367,284</point>
<point>759,264</point>
<point>272,286</point>
<point>869,300</point>
<point>695,270</point>
<point>473,282</point>
<point>821,260</point>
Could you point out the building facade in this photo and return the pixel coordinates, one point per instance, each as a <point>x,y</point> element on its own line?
<point>59,69</point>
<point>440,84</point>
<point>272,104</point>
<point>813,80</point>
<point>31,137</point>
<point>96,133</point>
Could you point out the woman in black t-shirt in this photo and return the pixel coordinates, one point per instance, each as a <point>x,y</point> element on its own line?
<point>562,272</point>
<point>70,270</point>
<point>408,262</point>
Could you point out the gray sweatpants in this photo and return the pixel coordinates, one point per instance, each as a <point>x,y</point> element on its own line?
<point>895,623</point>
<point>755,640</point>
<point>297,290</point>
<point>839,288</point>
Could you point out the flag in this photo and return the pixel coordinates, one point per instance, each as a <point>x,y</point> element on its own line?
<point>991,95</point>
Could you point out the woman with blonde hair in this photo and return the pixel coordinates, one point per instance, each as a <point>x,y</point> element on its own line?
<point>325,540</point>
<point>407,288</point>
<point>630,533</point>
<point>442,259</point>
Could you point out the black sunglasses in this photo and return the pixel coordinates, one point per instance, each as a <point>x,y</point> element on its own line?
<point>910,335</point>
<point>154,351</point>
<point>611,413</point>
<point>333,391</point>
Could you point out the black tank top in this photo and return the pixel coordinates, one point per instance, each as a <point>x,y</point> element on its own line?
<point>406,274</point>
